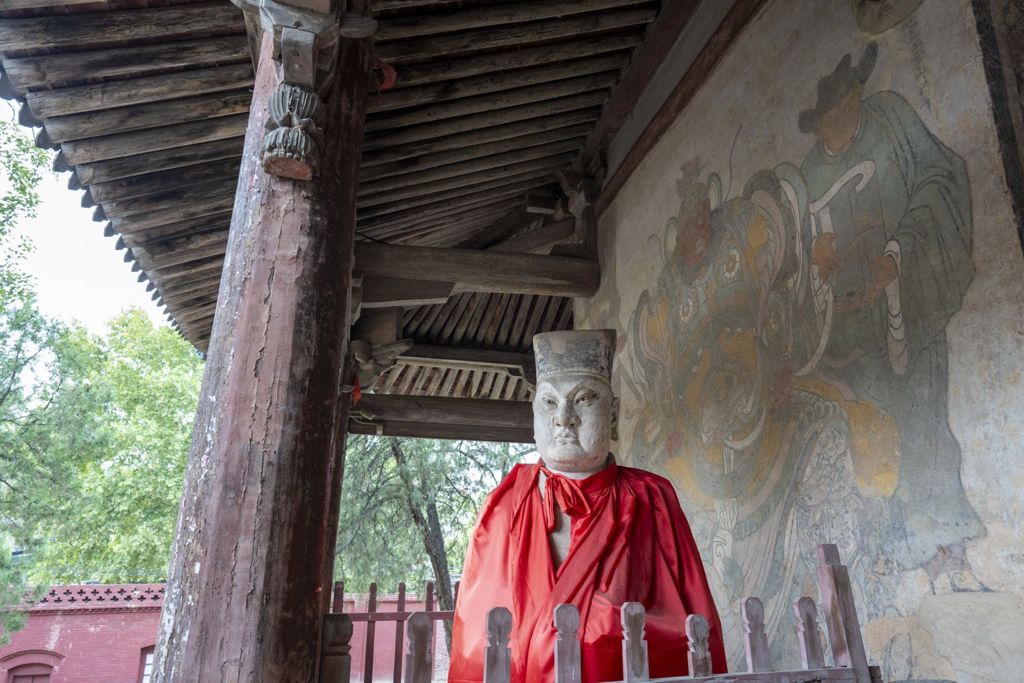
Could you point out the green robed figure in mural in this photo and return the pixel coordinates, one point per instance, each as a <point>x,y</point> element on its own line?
<point>890,244</point>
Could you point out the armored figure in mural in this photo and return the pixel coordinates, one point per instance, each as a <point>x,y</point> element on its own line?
<point>578,528</point>
<point>889,235</point>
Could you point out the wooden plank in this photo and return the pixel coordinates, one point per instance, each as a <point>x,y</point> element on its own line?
<point>152,183</point>
<point>442,129</point>
<point>536,241</point>
<point>389,231</point>
<point>801,676</point>
<point>215,221</point>
<point>484,150</point>
<point>698,656</point>
<point>387,292</point>
<point>94,124</point>
<point>492,83</point>
<point>482,270</point>
<point>204,207</point>
<point>371,607</point>
<point>335,655</point>
<point>417,216</point>
<point>451,411</point>
<point>427,24</point>
<point>493,102</point>
<point>841,613</point>
<point>153,139</point>
<point>576,27</point>
<point>137,91</point>
<point>61,69</point>
<point>435,430</point>
<point>659,38</point>
<point>741,13</point>
<point>182,249</point>
<point>443,202</point>
<point>811,654</point>
<point>171,198</point>
<point>163,160</point>
<point>103,29</point>
<point>515,337</point>
<point>435,71</point>
<point>755,640</point>
<point>417,152</point>
<point>400,607</point>
<point>467,185</point>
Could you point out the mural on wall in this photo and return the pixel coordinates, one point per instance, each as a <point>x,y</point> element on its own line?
<point>789,367</point>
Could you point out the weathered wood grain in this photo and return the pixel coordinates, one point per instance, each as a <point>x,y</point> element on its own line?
<point>161,160</point>
<point>137,91</point>
<point>103,29</point>
<point>836,594</point>
<point>418,660</point>
<point>437,70</point>
<point>151,183</point>
<point>497,655</point>
<point>698,655</point>
<point>436,430</point>
<point>811,654</point>
<point>250,458</point>
<point>153,139</point>
<point>755,640</point>
<point>568,668</point>
<point>335,651</point>
<point>492,15</point>
<point>419,49</point>
<point>441,129</point>
<point>66,68</point>
<point>476,270</point>
<point>194,209</point>
<point>634,646</point>
<point>497,101</point>
<point>450,411</point>
<point>93,124</point>
<point>171,198</point>
<point>537,241</point>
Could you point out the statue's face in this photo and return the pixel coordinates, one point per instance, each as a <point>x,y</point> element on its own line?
<point>574,417</point>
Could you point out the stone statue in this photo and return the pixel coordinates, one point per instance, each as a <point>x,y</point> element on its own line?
<point>578,528</point>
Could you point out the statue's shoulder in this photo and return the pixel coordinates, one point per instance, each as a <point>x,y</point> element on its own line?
<point>646,478</point>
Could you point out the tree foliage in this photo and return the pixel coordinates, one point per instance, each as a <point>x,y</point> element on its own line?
<point>396,495</point>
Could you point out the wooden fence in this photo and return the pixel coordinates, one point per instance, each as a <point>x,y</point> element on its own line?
<point>850,660</point>
<point>336,654</point>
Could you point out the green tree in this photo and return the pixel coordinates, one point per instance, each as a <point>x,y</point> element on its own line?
<point>408,506</point>
<point>116,436</point>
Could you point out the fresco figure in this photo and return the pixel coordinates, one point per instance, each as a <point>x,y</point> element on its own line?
<point>890,244</point>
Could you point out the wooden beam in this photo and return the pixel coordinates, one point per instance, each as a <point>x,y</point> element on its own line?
<point>92,124</point>
<point>491,83</point>
<point>453,199</point>
<point>259,500</point>
<point>436,71</point>
<point>449,127</point>
<point>162,160</point>
<point>492,15</point>
<point>389,292</point>
<point>427,430</point>
<point>153,139</point>
<point>418,216</point>
<point>523,362</point>
<point>494,102</point>
<point>62,69</point>
<point>456,215</point>
<point>538,240</point>
<point>102,29</point>
<point>446,411</point>
<point>466,185</point>
<point>737,18</point>
<point>481,271</point>
<point>476,152</point>
<point>138,91</point>
<point>152,183</point>
<point>424,48</point>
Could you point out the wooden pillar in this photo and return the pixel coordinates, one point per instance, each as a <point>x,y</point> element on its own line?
<point>248,590</point>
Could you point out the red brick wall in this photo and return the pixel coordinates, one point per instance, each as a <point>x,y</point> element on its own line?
<point>96,641</point>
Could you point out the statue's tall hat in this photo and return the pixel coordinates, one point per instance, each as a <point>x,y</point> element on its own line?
<point>580,352</point>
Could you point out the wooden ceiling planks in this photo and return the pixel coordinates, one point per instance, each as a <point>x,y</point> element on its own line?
<point>147,103</point>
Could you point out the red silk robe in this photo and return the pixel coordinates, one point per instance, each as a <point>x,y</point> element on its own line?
<point>630,542</point>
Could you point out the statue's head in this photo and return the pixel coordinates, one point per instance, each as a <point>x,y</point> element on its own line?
<point>575,414</point>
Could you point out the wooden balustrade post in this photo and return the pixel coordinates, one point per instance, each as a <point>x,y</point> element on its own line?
<point>418,659</point>
<point>754,638</point>
<point>400,607</point>
<point>635,665</point>
<point>498,656</point>
<point>841,613</point>
<point>811,655</point>
<point>698,657</point>
<point>567,645</point>
<point>335,657</point>
<point>247,588</point>
<point>371,630</point>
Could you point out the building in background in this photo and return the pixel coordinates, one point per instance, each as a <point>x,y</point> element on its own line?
<point>86,634</point>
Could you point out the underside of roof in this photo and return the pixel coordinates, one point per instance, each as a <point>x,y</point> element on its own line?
<point>147,101</point>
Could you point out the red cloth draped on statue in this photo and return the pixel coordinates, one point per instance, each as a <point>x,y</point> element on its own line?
<point>630,542</point>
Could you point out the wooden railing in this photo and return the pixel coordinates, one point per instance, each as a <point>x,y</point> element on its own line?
<point>850,659</point>
<point>336,655</point>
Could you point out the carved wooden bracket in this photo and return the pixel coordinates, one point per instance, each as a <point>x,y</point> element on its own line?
<point>306,49</point>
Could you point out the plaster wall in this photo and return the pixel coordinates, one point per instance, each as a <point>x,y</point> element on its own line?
<point>827,343</point>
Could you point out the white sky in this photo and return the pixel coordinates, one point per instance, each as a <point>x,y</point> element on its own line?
<point>78,273</point>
